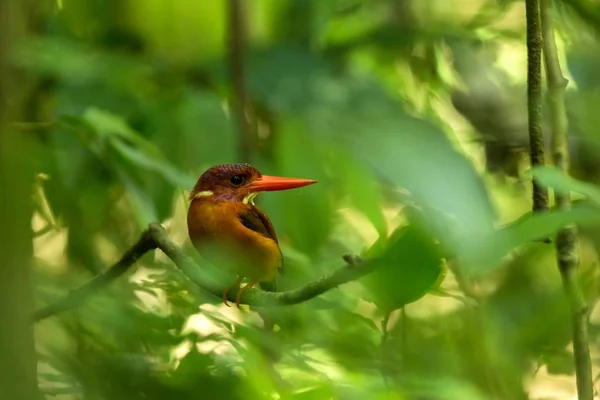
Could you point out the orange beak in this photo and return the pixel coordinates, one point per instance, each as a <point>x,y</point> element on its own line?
<point>272,183</point>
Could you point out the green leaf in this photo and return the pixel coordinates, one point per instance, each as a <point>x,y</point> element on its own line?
<point>192,370</point>
<point>107,124</point>
<point>145,160</point>
<point>418,157</point>
<point>484,252</point>
<point>558,361</point>
<point>142,204</point>
<point>409,265</point>
<point>133,147</point>
<point>564,184</point>
<point>286,78</point>
<point>364,192</point>
<point>319,391</point>
<point>205,21</point>
<point>307,213</point>
<point>405,152</point>
<point>198,119</point>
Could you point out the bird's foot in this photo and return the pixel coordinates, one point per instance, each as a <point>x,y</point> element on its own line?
<point>225,299</point>
<point>242,290</point>
<point>239,296</point>
<point>228,289</point>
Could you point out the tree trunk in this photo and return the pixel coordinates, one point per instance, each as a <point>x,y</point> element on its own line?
<point>18,378</point>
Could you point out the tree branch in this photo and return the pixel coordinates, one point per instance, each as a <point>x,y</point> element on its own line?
<point>240,107</point>
<point>566,240</point>
<point>18,361</point>
<point>78,296</point>
<point>534,98</point>
<point>156,237</point>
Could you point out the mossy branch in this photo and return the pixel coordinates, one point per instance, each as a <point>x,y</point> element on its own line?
<point>534,98</point>
<point>155,237</point>
<point>567,251</point>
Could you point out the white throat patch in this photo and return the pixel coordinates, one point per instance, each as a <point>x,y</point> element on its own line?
<point>249,199</point>
<point>204,193</point>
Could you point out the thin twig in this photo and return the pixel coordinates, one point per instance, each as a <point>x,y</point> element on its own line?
<point>534,98</point>
<point>156,237</point>
<point>567,252</point>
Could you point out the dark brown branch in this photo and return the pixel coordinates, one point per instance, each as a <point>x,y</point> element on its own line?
<point>534,98</point>
<point>566,241</point>
<point>156,237</point>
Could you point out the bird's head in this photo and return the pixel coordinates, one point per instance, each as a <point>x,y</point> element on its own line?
<point>240,182</point>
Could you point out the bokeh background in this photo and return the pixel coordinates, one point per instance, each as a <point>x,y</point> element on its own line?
<point>411,114</point>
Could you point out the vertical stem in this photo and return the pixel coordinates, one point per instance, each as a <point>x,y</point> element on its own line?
<point>534,98</point>
<point>18,375</point>
<point>240,106</point>
<point>404,331</point>
<point>567,252</point>
<point>384,347</point>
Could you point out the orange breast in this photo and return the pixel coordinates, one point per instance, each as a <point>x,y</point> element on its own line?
<point>220,237</point>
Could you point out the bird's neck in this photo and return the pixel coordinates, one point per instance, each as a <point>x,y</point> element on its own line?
<point>223,197</point>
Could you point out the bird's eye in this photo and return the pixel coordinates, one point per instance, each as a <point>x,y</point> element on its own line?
<point>236,180</point>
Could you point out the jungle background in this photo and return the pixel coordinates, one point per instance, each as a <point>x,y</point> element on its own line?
<point>413,117</point>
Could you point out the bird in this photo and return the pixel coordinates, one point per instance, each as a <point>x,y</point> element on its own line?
<point>230,231</point>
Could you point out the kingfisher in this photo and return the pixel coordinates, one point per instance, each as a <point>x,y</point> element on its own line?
<point>230,231</point>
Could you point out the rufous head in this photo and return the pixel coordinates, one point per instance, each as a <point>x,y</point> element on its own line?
<point>240,182</point>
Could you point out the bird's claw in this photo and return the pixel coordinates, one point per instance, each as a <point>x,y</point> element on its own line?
<point>237,300</point>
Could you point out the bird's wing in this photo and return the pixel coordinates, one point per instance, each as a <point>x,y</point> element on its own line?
<point>256,220</point>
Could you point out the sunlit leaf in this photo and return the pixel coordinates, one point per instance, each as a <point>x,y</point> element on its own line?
<point>408,153</point>
<point>168,27</point>
<point>486,251</point>
<point>563,183</point>
<point>313,393</point>
<point>361,187</point>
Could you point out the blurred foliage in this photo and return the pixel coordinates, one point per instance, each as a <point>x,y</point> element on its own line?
<point>412,116</point>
